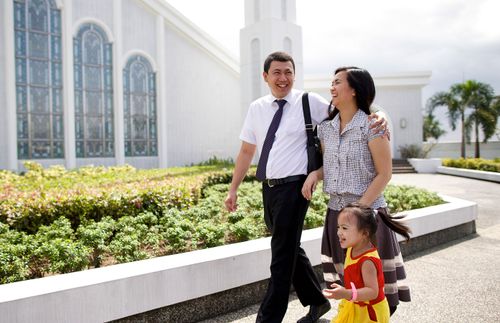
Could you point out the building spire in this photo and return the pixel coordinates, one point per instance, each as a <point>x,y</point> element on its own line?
<point>269,26</point>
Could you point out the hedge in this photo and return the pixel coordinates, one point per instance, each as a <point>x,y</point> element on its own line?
<point>474,163</point>
<point>127,215</point>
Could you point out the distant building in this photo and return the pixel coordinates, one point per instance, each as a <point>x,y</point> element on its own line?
<point>134,82</point>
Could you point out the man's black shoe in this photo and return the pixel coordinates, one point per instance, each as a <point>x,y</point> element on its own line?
<point>315,312</point>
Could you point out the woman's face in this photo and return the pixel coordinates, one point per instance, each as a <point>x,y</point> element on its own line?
<point>341,91</point>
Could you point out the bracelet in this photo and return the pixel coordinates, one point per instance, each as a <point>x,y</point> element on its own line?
<point>354,293</point>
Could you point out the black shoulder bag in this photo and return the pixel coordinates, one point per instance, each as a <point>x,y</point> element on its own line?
<point>314,154</point>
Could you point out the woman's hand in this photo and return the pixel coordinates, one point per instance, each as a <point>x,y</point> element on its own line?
<point>311,182</point>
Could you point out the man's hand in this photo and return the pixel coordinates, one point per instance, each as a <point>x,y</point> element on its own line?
<point>230,201</point>
<point>380,124</point>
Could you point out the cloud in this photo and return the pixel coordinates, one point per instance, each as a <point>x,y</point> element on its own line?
<point>455,39</point>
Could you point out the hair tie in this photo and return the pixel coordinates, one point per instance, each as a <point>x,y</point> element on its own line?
<point>354,293</point>
<point>374,213</point>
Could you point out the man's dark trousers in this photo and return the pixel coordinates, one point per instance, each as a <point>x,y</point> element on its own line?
<point>284,212</point>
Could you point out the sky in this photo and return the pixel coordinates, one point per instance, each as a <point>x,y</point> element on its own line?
<point>456,40</point>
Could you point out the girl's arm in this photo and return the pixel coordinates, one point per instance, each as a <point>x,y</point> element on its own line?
<point>365,294</point>
<point>369,274</point>
<point>381,155</point>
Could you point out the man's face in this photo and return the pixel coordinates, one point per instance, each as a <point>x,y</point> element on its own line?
<point>280,78</point>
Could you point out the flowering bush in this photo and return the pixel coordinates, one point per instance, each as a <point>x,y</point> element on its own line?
<point>474,163</point>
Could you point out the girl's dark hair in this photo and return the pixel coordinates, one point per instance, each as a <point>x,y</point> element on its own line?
<point>367,220</point>
<point>362,82</point>
<point>280,57</point>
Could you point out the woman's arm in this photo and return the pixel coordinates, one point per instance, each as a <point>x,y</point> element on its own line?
<point>312,180</point>
<point>381,155</point>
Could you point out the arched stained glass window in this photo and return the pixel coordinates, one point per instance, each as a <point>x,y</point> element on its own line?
<point>139,105</point>
<point>93,72</point>
<point>40,128</point>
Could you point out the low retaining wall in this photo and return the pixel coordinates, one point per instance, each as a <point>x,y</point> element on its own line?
<point>184,287</point>
<point>471,173</point>
<point>489,150</point>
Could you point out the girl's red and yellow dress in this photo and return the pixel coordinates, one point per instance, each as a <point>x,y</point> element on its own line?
<point>376,310</point>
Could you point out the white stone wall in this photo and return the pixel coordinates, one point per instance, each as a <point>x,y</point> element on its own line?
<point>202,102</point>
<point>3,79</point>
<point>487,150</point>
<point>139,29</point>
<point>93,10</point>
<point>403,106</point>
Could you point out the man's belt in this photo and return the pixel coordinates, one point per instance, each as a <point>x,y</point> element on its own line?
<point>279,181</point>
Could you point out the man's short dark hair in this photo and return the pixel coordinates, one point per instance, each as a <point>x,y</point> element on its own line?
<point>280,57</point>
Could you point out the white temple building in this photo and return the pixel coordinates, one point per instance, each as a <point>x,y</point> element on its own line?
<point>113,82</point>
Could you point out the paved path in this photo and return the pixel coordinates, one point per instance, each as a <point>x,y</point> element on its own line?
<point>455,282</point>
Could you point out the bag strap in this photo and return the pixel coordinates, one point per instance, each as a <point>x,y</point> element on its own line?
<point>307,119</point>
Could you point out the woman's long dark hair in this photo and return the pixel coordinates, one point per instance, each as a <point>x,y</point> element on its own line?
<point>367,220</point>
<point>362,82</point>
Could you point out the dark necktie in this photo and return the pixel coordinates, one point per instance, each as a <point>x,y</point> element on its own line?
<point>268,142</point>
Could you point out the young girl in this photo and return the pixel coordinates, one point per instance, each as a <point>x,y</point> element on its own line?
<point>362,298</point>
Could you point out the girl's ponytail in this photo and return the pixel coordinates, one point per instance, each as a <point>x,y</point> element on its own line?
<point>395,225</point>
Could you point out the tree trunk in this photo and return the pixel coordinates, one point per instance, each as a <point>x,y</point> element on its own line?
<point>462,153</point>
<point>476,152</point>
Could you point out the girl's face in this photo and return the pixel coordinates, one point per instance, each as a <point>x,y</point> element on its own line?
<point>348,232</point>
<point>341,91</point>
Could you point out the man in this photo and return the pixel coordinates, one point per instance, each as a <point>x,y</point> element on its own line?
<point>275,126</point>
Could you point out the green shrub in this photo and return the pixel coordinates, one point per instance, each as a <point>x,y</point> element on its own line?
<point>13,255</point>
<point>60,221</point>
<point>474,163</point>
<point>405,198</point>
<point>215,161</point>
<point>136,238</point>
<point>209,234</point>
<point>97,237</point>
<point>54,250</point>
<point>411,151</point>
<point>176,232</point>
<point>42,196</point>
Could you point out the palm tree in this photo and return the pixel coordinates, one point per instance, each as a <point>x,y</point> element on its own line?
<point>495,105</point>
<point>432,127</point>
<point>485,115</point>
<point>472,97</point>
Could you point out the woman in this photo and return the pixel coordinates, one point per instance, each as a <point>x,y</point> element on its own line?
<point>356,168</point>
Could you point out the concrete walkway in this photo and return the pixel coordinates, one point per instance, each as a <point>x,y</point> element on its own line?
<point>455,282</point>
